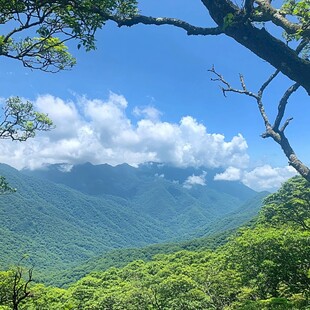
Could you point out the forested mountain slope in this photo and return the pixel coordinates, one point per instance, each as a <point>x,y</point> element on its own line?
<point>99,208</point>
<point>58,226</point>
<point>121,257</point>
<point>124,180</point>
<point>264,265</point>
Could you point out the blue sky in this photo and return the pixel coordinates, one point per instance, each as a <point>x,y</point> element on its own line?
<point>145,94</point>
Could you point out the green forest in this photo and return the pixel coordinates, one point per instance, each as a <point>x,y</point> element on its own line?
<point>263,265</point>
<point>61,227</point>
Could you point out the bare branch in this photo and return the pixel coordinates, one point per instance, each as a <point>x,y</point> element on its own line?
<point>228,87</point>
<point>266,84</point>
<point>286,124</point>
<point>263,114</point>
<point>282,106</point>
<point>271,131</point>
<point>148,20</point>
<point>242,82</point>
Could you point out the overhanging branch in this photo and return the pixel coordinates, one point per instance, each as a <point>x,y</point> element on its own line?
<point>158,21</point>
<point>260,41</point>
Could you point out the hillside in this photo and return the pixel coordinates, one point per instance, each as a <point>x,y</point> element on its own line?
<point>56,224</point>
<point>99,208</point>
<point>263,265</point>
<point>121,257</point>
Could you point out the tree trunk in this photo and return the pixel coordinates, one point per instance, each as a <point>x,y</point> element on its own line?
<point>260,42</point>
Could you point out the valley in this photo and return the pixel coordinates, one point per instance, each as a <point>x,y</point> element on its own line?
<point>61,218</point>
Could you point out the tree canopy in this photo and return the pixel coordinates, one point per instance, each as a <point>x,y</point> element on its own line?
<point>39,30</point>
<point>289,205</point>
<point>19,122</point>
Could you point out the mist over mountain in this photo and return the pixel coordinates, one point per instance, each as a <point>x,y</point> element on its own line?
<point>62,215</point>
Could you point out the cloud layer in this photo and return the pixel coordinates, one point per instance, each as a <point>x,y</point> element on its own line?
<point>260,178</point>
<point>101,132</point>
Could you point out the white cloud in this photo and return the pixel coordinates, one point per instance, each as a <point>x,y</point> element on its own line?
<point>100,131</point>
<point>148,112</point>
<point>63,113</point>
<point>195,180</point>
<point>260,178</point>
<point>230,174</point>
<point>267,177</point>
<point>159,175</point>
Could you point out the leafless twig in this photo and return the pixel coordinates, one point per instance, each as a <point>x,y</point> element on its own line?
<point>273,131</point>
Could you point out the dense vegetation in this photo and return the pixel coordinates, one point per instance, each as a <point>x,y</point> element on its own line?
<point>122,257</point>
<point>262,266</point>
<point>60,226</point>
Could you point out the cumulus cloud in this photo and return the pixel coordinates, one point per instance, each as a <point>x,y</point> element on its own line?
<point>148,112</point>
<point>195,180</point>
<point>267,177</point>
<point>230,174</point>
<point>100,131</point>
<point>260,178</point>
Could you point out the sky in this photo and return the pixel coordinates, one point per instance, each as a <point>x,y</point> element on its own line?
<point>145,94</point>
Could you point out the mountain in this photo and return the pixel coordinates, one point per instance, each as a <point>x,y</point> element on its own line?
<point>156,190</point>
<point>124,180</point>
<point>53,223</point>
<point>63,215</point>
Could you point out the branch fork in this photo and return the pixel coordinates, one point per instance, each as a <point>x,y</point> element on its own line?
<point>274,131</point>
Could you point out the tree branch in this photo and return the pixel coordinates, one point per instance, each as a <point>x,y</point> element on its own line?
<point>274,15</point>
<point>266,84</point>
<point>248,6</point>
<point>271,131</point>
<point>228,87</point>
<point>282,107</point>
<point>286,124</point>
<point>148,20</point>
<point>260,42</point>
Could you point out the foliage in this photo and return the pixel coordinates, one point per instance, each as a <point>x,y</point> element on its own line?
<point>270,261</point>
<point>39,30</point>
<point>15,286</point>
<point>261,267</point>
<point>299,10</point>
<point>121,257</point>
<point>60,227</point>
<point>5,188</point>
<point>289,205</point>
<point>21,121</point>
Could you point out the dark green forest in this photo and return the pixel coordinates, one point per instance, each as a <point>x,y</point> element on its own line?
<point>263,265</point>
